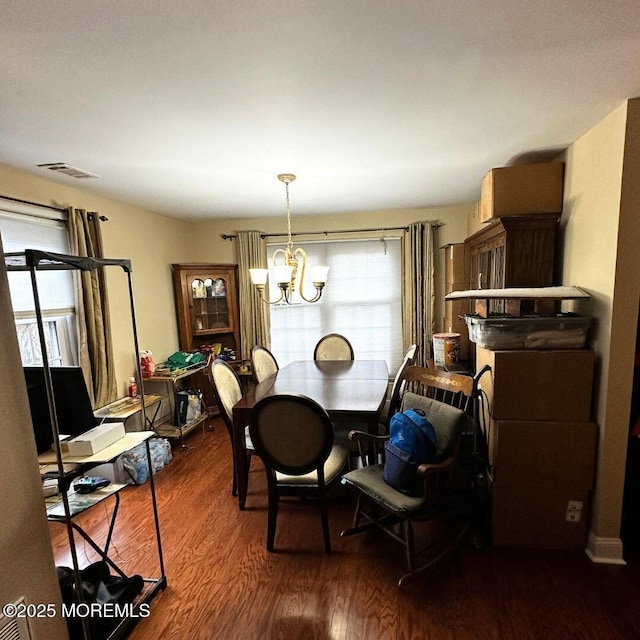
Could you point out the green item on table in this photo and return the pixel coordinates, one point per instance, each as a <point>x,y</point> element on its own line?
<point>182,359</point>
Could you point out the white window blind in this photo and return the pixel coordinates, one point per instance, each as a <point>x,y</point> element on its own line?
<point>362,301</point>
<point>31,227</point>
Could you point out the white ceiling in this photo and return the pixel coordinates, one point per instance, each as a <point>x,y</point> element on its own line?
<point>192,107</point>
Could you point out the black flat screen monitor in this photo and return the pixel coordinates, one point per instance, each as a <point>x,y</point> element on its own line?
<point>71,398</point>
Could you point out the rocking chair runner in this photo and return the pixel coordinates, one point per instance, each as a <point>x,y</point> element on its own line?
<point>444,397</point>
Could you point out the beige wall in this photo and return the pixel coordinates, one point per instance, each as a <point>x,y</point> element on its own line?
<point>152,242</point>
<point>26,560</point>
<point>599,231</point>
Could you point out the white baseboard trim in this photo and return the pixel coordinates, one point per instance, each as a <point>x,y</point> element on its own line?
<point>604,550</point>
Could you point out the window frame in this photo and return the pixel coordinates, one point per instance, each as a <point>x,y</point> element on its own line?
<point>329,323</point>
<point>61,322</point>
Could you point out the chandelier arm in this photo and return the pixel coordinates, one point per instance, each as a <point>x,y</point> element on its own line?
<point>264,298</point>
<point>318,293</point>
<point>276,253</point>
<point>315,298</point>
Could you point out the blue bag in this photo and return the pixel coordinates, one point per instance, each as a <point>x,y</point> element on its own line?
<point>412,442</point>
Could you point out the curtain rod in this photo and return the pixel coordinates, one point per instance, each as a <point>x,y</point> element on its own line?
<point>35,204</point>
<point>90,214</point>
<point>226,236</point>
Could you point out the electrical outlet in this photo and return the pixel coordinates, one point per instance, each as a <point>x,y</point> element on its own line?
<point>574,511</point>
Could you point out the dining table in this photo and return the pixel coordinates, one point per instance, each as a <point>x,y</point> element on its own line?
<point>352,391</point>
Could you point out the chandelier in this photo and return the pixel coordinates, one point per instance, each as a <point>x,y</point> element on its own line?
<point>289,266</point>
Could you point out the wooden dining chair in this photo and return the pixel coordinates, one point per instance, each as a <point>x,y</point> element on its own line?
<point>294,437</point>
<point>383,507</point>
<point>342,429</point>
<point>454,389</point>
<point>228,391</point>
<point>392,404</point>
<point>263,363</point>
<point>333,346</point>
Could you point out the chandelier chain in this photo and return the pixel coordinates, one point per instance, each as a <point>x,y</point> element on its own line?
<point>290,243</point>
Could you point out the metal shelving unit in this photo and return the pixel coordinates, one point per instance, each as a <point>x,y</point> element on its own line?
<point>64,469</point>
<point>176,429</point>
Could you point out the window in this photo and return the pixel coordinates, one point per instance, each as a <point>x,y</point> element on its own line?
<point>31,227</point>
<point>362,300</point>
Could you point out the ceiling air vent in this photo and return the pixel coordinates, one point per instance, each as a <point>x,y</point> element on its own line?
<point>67,169</point>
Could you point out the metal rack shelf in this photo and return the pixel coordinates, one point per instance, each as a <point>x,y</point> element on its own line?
<point>177,430</point>
<point>60,466</point>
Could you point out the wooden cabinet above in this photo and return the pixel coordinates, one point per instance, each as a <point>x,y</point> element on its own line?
<point>513,252</point>
<point>206,305</point>
<point>516,251</point>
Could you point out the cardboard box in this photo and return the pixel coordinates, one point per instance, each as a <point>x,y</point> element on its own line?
<point>458,326</point>
<point>528,518</point>
<point>531,385</point>
<point>96,439</point>
<point>473,220</point>
<point>542,455</point>
<point>522,190</point>
<point>456,267</point>
<point>455,286</point>
<point>454,310</point>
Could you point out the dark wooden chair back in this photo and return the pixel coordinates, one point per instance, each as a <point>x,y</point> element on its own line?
<point>396,389</point>
<point>454,389</point>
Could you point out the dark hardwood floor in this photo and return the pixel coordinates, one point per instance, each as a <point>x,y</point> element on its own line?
<point>224,585</point>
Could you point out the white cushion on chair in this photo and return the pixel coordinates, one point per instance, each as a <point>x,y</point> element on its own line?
<point>333,466</point>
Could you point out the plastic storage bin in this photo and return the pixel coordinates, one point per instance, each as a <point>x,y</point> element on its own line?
<point>558,332</point>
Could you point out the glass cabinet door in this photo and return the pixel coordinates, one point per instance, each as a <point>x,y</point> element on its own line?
<point>209,305</point>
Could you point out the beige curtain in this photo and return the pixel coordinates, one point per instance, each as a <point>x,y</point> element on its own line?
<point>254,314</point>
<point>95,352</point>
<point>418,324</point>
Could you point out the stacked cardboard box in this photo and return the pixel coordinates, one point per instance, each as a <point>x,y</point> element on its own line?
<point>456,279</point>
<point>526,189</point>
<point>473,219</point>
<point>541,446</point>
<point>519,190</point>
